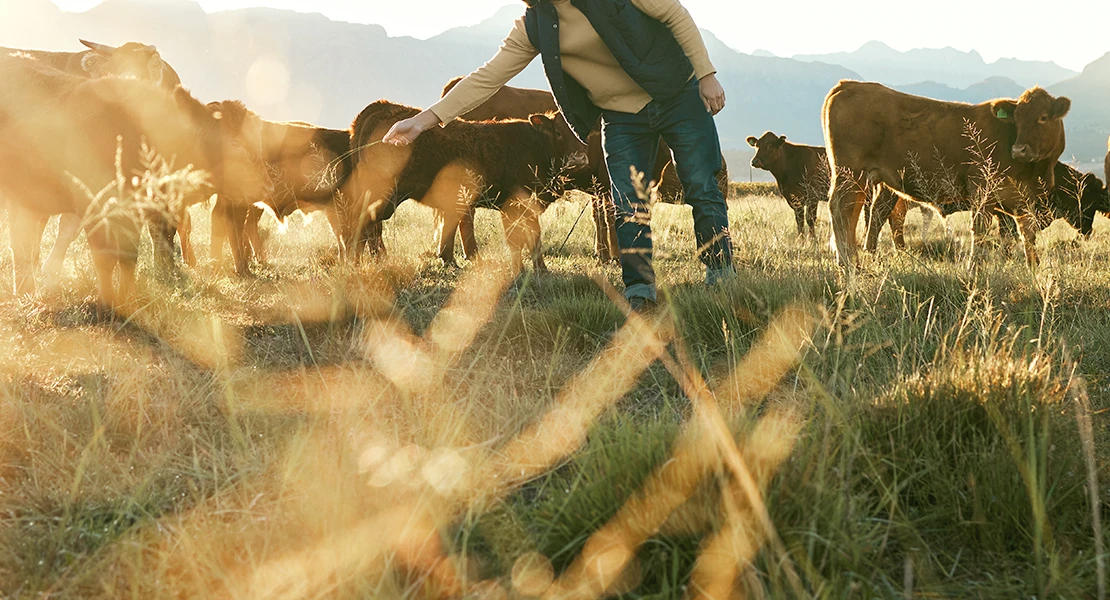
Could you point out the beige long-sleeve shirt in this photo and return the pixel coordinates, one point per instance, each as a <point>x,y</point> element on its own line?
<point>585,58</point>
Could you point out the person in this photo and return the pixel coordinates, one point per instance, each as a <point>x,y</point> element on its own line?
<point>642,67</point>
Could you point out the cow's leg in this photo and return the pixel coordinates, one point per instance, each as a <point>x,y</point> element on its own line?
<point>162,233</point>
<point>128,259</point>
<point>439,233</point>
<point>875,217</point>
<point>253,235</point>
<point>520,217</point>
<point>185,235</point>
<point>611,225</point>
<point>69,227</point>
<point>1007,231</point>
<point>466,232</point>
<point>1027,224</point>
<point>447,221</point>
<point>235,218</point>
<point>606,245</point>
<point>981,221</point>
<point>897,221</point>
<point>220,228</point>
<point>1007,227</point>
<point>927,217</point>
<point>117,245</point>
<point>868,215</point>
<point>371,238</point>
<point>799,209</point>
<point>534,240</point>
<point>601,229</point>
<point>335,221</point>
<point>25,233</point>
<point>811,217</point>
<point>104,258</point>
<point>846,198</point>
<point>612,242</point>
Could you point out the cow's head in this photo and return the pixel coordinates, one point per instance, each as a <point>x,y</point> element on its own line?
<point>1039,120</point>
<point>768,150</point>
<point>236,135</point>
<point>561,139</point>
<point>134,60</point>
<point>1092,200</point>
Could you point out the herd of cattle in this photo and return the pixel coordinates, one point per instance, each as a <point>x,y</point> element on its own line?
<point>72,123</point>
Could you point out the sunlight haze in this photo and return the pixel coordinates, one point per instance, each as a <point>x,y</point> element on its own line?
<point>1072,37</point>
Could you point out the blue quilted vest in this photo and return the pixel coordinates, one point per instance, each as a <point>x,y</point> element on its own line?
<point>644,47</point>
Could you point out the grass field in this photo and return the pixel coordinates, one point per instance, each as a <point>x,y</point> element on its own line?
<point>398,429</point>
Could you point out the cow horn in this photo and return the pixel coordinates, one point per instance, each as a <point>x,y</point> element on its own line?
<point>98,47</point>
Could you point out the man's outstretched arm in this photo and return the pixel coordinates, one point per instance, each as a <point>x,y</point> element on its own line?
<point>474,89</point>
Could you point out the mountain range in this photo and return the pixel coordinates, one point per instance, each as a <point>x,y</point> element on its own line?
<point>296,66</point>
<point>876,61</point>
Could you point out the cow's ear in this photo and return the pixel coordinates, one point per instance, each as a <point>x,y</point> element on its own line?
<point>752,141</point>
<point>539,120</point>
<point>1004,110</point>
<point>93,63</point>
<point>1061,107</point>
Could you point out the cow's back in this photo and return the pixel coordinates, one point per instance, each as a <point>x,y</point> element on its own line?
<point>509,103</point>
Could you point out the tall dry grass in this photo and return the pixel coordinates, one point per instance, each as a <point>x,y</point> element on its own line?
<point>397,429</point>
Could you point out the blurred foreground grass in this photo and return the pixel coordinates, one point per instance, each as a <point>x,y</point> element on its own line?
<point>321,430</point>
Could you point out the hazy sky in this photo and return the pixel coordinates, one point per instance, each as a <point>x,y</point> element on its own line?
<point>1071,33</point>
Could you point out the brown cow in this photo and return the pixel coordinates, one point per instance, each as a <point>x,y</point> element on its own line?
<point>920,148</point>
<point>514,166</point>
<point>308,166</point>
<point>57,129</point>
<point>134,60</point>
<point>518,103</point>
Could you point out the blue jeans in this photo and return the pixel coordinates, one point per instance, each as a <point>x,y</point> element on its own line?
<point>632,140</point>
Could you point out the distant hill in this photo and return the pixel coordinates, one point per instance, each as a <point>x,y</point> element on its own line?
<point>289,65</point>
<point>878,62</point>
<point>1088,123</point>
<point>994,87</point>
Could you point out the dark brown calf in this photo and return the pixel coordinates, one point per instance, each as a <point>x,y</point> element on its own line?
<point>374,168</point>
<point>516,167</point>
<point>801,172</point>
